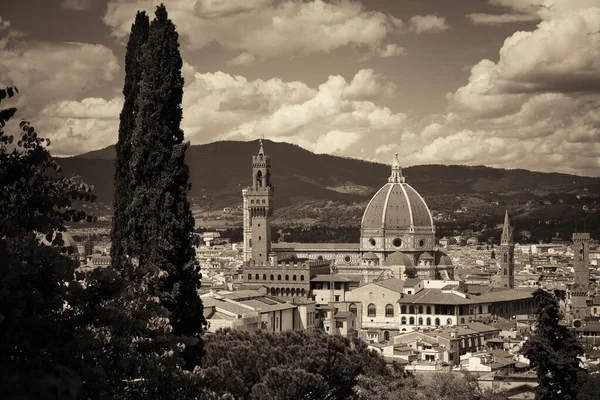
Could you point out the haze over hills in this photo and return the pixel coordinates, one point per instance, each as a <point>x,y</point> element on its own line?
<point>220,170</point>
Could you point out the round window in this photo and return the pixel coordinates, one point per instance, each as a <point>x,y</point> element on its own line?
<point>372,242</point>
<point>397,242</point>
<point>347,259</point>
<point>421,243</point>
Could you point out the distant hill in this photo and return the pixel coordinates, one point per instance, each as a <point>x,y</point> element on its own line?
<point>220,170</point>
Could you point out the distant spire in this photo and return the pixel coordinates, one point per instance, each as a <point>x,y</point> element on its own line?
<point>506,230</point>
<point>396,176</point>
<point>261,151</point>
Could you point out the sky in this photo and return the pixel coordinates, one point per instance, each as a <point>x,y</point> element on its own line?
<point>503,83</point>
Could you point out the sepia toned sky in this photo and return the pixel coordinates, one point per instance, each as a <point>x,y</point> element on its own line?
<point>503,83</point>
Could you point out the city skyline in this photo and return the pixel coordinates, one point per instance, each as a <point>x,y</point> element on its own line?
<point>503,83</point>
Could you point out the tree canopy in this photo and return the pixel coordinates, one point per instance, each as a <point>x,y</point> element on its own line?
<point>553,351</point>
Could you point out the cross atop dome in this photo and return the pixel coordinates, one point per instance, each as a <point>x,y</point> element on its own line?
<point>396,176</point>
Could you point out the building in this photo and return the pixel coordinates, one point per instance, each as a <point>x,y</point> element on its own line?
<point>507,255</point>
<point>397,235</point>
<point>251,310</point>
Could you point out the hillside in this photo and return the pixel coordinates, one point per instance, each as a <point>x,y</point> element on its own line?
<point>220,170</point>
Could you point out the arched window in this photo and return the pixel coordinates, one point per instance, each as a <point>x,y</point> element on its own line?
<point>428,309</point>
<point>293,277</point>
<point>437,322</point>
<point>249,277</point>
<point>301,277</point>
<point>420,321</point>
<point>462,320</point>
<point>386,336</point>
<point>264,277</point>
<point>250,243</point>
<point>320,258</point>
<point>251,201</point>
<point>287,291</point>
<point>272,277</point>
<point>420,309</point>
<point>260,237</point>
<point>411,309</point>
<point>371,310</point>
<point>449,321</point>
<point>480,309</point>
<point>259,178</point>
<point>293,291</point>
<point>403,321</point>
<point>256,277</point>
<point>287,277</point>
<point>277,292</point>
<point>411,321</point>
<point>278,277</point>
<point>428,321</point>
<point>389,311</point>
<point>303,292</point>
<point>352,308</point>
<point>403,309</point>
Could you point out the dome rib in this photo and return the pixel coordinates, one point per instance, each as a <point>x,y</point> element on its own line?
<point>370,205</point>
<point>412,220</point>
<point>385,205</point>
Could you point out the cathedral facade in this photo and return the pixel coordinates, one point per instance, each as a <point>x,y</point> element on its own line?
<point>397,233</point>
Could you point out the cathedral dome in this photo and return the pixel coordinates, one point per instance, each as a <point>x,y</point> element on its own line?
<point>398,258</point>
<point>397,218</point>
<point>396,206</point>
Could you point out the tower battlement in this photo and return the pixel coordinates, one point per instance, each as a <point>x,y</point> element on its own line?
<point>580,236</point>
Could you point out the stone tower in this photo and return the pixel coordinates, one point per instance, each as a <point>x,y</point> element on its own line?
<point>581,258</point>
<point>507,255</point>
<point>258,208</point>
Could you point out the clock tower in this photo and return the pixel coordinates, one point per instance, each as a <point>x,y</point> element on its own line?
<point>258,209</point>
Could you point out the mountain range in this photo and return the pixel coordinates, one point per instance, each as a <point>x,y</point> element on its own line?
<point>220,170</point>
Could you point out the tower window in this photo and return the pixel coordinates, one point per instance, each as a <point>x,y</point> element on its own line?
<point>251,201</point>
<point>260,237</point>
<point>249,277</point>
<point>263,201</point>
<point>287,277</point>
<point>272,277</point>
<point>278,277</point>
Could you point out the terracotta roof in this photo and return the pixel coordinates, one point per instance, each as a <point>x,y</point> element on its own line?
<point>435,296</point>
<point>394,284</point>
<point>344,247</point>
<point>336,278</point>
<point>264,307</point>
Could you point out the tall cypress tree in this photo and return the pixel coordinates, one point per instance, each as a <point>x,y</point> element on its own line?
<point>122,196</point>
<point>161,222</point>
<point>553,351</point>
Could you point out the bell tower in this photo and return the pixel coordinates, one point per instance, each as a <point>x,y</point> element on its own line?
<point>581,258</point>
<point>258,209</point>
<point>507,255</point>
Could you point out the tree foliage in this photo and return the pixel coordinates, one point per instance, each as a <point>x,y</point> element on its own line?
<point>290,365</point>
<point>401,385</point>
<point>154,224</point>
<point>553,351</point>
<point>45,316</point>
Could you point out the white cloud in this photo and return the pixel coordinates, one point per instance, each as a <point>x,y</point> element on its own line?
<point>76,127</point>
<point>46,71</point>
<point>242,59</point>
<point>76,5</point>
<point>335,142</point>
<point>269,29</point>
<point>428,24</point>
<point>497,19</point>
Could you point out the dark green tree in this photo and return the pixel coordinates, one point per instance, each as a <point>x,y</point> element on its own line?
<point>553,351</point>
<point>297,364</point>
<point>160,239</point>
<point>48,341</point>
<point>122,196</point>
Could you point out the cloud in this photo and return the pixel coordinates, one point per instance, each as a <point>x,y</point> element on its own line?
<point>76,127</point>
<point>76,5</point>
<point>497,19</point>
<point>428,24</point>
<point>46,71</point>
<point>242,59</point>
<point>335,142</point>
<point>366,84</point>
<point>226,8</point>
<point>269,29</point>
